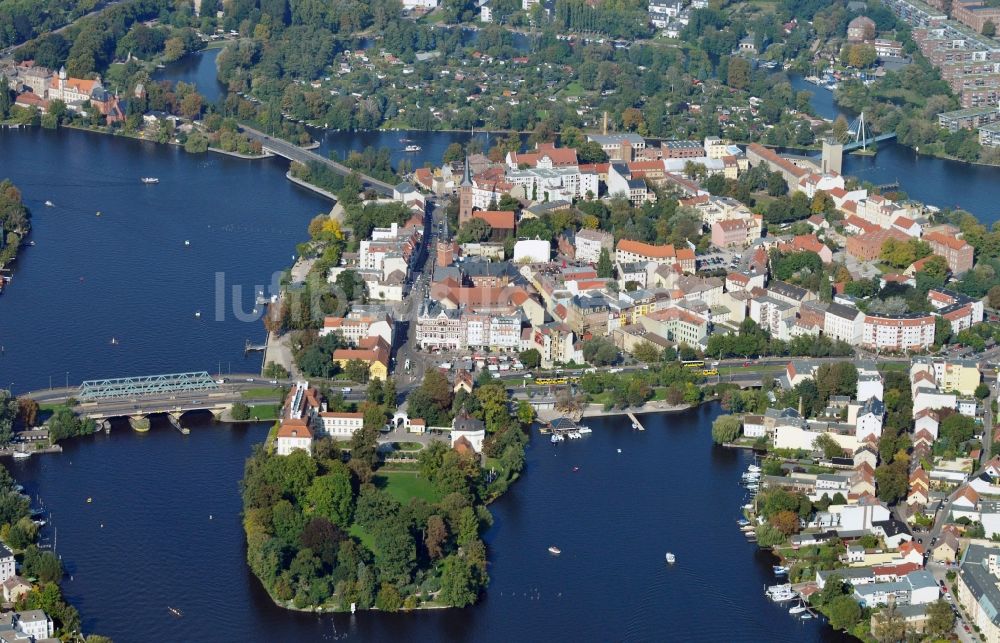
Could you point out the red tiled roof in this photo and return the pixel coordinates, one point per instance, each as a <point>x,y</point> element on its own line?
<point>498,219</point>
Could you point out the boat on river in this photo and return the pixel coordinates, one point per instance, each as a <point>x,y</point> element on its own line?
<point>150,180</point>
<point>412,148</point>
<point>798,608</point>
<point>671,558</point>
<point>556,438</point>
<point>50,204</point>
<point>555,551</point>
<point>21,455</point>
<point>176,612</point>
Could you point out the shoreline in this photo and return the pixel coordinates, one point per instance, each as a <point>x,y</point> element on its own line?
<point>309,186</point>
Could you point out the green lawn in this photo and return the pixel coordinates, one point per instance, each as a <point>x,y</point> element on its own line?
<point>366,539</point>
<point>574,89</point>
<point>265,411</point>
<point>404,485</point>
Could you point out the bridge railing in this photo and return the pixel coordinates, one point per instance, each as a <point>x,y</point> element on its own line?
<point>145,386</point>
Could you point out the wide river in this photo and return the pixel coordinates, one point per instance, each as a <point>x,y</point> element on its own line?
<point>163,528</point>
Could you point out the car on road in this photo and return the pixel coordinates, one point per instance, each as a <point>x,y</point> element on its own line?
<point>250,379</point>
<point>274,381</point>
<point>346,389</point>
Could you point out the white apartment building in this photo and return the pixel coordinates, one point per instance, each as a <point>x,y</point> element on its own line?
<point>897,332</point>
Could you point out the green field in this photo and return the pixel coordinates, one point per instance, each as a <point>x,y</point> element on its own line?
<point>404,485</point>
<point>265,411</point>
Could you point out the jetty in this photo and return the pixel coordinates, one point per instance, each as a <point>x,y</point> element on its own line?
<point>636,424</point>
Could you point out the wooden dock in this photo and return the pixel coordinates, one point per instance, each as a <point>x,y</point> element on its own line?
<point>635,421</point>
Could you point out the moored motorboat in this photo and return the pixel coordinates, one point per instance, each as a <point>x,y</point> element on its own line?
<point>21,455</point>
<point>555,551</point>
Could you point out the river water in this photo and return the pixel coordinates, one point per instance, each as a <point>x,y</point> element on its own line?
<point>169,504</point>
<point>940,182</point>
<point>164,530</point>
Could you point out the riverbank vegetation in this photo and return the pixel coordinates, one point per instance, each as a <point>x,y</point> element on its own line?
<point>340,526</point>
<point>15,222</point>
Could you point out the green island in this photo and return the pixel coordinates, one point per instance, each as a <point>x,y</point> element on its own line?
<point>358,525</point>
<point>15,219</point>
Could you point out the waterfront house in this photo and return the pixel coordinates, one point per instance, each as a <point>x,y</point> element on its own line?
<point>7,564</point>
<point>468,429</point>
<point>293,435</point>
<point>34,623</point>
<point>14,588</point>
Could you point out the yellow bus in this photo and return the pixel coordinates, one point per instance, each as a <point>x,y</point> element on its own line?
<point>710,371</point>
<point>546,381</point>
<point>694,363</point>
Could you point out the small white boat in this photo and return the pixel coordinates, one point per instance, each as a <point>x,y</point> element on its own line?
<point>807,615</point>
<point>555,551</point>
<point>797,609</point>
<point>21,455</point>
<point>780,570</point>
<point>114,341</point>
<point>50,204</point>
<point>150,180</point>
<point>412,148</point>
<point>197,313</point>
<point>619,450</point>
<point>186,242</point>
<point>671,558</point>
<point>584,430</point>
<point>753,468</point>
<point>556,438</point>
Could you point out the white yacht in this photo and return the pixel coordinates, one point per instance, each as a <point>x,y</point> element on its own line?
<point>671,558</point>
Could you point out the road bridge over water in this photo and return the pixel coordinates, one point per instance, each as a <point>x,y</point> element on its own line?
<point>293,152</point>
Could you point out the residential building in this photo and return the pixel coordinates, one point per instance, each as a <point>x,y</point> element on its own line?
<point>7,563</point>
<point>957,252</point>
<point>844,323</point>
<point>293,435</point>
<point>35,624</point>
<point>439,327</point>
<point>898,332</point>
<point>619,147</point>
<point>868,247</point>
<point>733,232</point>
<point>628,251</point>
<point>373,351</point>
<point>971,119</point>
<point>589,244</point>
<point>360,323</point>
<point>978,585</point>
<point>682,149</point>
<point>340,425</point>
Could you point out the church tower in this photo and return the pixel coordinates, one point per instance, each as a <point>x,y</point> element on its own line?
<point>465,195</point>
